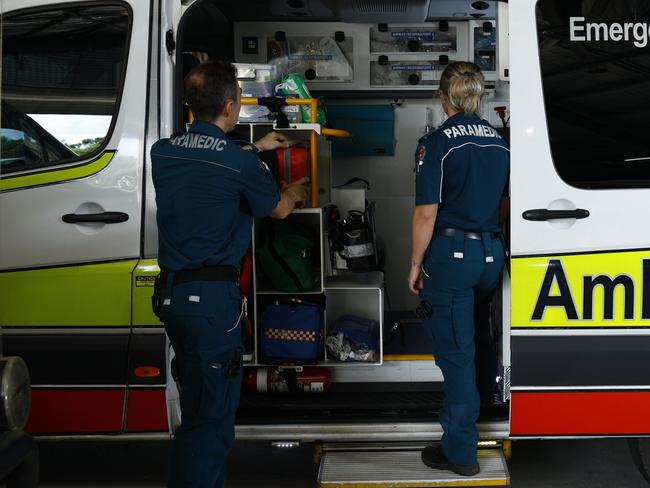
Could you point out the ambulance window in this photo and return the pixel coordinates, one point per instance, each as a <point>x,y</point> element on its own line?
<point>62,72</point>
<point>595,63</point>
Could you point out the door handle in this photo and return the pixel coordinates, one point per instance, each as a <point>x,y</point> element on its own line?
<point>541,214</point>
<point>104,217</point>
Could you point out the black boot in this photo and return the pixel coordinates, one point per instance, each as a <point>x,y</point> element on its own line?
<point>433,457</point>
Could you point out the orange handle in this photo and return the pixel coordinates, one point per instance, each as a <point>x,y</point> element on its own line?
<point>313,145</point>
<point>335,132</point>
<point>313,138</point>
<point>290,101</point>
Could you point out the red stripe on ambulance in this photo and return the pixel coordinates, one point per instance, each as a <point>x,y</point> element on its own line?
<point>580,413</point>
<point>75,411</point>
<point>147,411</point>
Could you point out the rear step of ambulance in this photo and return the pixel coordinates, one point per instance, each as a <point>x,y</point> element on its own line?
<point>397,465</point>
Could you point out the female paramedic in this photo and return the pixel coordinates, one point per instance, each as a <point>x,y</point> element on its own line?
<point>457,256</point>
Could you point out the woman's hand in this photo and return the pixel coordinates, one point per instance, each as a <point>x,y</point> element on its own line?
<point>424,220</point>
<point>416,281</point>
<point>274,140</point>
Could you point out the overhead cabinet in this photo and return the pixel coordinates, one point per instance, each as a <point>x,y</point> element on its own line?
<point>333,56</point>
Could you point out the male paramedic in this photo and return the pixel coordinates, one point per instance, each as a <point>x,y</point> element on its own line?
<point>208,190</point>
<point>457,256</point>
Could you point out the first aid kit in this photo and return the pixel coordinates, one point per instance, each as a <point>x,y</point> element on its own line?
<point>292,332</point>
<point>293,163</point>
<point>285,257</point>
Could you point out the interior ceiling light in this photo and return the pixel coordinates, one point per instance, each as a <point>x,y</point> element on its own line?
<point>480,5</point>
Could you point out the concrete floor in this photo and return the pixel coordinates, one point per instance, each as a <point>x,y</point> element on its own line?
<point>599,463</point>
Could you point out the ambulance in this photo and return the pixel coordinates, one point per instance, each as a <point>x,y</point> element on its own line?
<point>89,86</point>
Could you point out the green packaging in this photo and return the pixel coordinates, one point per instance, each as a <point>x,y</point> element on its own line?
<point>293,84</point>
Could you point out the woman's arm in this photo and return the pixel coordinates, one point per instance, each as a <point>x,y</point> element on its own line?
<point>424,218</point>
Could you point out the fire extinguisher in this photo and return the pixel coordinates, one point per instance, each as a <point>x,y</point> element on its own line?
<point>272,380</point>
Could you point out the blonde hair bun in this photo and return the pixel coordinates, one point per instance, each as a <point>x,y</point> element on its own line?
<point>464,85</point>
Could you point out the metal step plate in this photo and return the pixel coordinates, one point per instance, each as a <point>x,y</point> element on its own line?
<point>398,469</point>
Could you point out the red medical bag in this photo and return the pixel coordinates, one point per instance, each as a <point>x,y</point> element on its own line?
<point>293,163</point>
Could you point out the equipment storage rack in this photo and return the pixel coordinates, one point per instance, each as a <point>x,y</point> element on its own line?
<point>350,293</point>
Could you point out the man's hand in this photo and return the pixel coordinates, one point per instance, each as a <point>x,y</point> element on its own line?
<point>298,190</point>
<point>293,195</point>
<point>274,140</point>
<point>416,282</point>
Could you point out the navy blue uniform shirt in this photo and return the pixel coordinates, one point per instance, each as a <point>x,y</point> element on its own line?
<point>463,166</point>
<point>208,190</point>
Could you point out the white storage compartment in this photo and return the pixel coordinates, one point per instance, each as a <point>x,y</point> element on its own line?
<point>413,39</point>
<point>483,47</point>
<point>310,218</point>
<point>335,55</point>
<point>360,296</point>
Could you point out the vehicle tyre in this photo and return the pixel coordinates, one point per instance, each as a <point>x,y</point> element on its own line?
<point>15,393</point>
<point>26,473</point>
<point>640,449</point>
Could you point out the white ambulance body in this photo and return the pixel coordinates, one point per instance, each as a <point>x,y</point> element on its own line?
<point>88,87</point>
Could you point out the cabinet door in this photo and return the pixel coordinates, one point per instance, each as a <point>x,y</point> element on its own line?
<point>72,134</point>
<point>580,213</point>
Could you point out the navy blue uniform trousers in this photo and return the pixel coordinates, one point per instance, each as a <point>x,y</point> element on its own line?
<point>459,291</point>
<point>206,336</point>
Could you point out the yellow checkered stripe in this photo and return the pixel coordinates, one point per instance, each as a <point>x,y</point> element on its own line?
<point>291,335</point>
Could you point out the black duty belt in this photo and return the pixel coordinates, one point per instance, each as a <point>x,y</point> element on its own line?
<point>207,273</point>
<point>446,232</point>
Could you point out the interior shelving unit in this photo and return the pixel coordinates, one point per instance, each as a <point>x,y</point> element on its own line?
<point>355,294</point>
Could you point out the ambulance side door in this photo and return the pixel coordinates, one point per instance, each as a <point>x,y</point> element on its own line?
<point>580,311</point>
<point>74,94</point>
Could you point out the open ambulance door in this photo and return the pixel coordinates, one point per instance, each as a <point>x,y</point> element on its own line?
<point>580,311</point>
<point>72,146</point>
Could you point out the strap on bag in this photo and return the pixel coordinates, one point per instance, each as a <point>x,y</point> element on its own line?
<point>354,180</point>
<point>287,166</point>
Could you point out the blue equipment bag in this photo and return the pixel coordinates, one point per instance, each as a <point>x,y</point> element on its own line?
<point>353,338</point>
<point>292,332</point>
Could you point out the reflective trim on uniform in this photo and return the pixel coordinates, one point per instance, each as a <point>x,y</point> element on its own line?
<point>476,130</point>
<point>442,161</point>
<point>196,160</point>
<point>193,140</point>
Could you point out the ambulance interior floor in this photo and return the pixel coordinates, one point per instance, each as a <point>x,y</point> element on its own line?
<point>597,463</point>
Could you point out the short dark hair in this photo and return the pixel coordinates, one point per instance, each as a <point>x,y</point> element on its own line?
<point>208,87</point>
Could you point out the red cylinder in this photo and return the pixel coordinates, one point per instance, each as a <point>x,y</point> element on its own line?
<point>274,380</point>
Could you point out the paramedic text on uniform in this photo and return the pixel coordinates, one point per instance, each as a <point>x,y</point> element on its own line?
<point>208,190</point>
<point>457,256</point>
